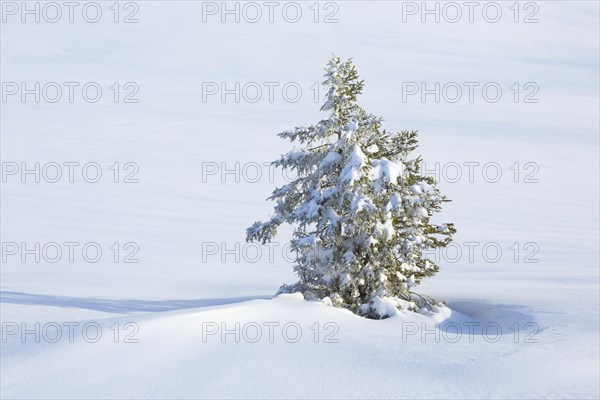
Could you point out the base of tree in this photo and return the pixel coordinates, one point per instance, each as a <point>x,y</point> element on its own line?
<point>377,307</point>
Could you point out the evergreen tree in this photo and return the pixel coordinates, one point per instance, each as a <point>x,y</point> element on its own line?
<point>359,207</point>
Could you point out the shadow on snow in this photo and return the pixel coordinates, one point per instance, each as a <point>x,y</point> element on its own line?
<point>118,306</point>
<point>487,317</point>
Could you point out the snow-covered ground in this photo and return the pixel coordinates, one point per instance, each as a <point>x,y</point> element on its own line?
<point>184,321</point>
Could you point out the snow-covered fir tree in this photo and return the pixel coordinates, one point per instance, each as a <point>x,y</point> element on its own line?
<point>359,207</point>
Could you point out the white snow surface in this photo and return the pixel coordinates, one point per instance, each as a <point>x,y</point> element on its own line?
<point>548,311</point>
